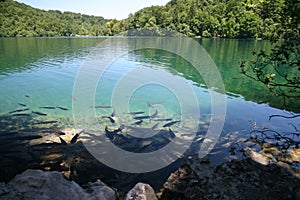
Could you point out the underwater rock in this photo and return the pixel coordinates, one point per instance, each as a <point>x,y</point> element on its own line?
<point>295,155</point>
<point>258,157</point>
<point>141,191</point>
<point>37,184</point>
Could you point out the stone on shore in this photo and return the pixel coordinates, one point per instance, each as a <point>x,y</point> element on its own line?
<point>245,179</point>
<point>37,184</point>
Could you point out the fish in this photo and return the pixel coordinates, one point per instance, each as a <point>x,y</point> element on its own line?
<point>27,96</point>
<point>154,114</point>
<point>142,117</point>
<point>172,134</point>
<point>135,113</point>
<point>113,113</point>
<point>155,126</point>
<point>20,114</point>
<point>19,110</point>
<point>59,133</point>
<point>170,123</point>
<point>21,104</point>
<point>29,137</point>
<point>47,107</point>
<point>160,120</point>
<point>62,141</point>
<point>74,139</point>
<point>62,108</point>
<point>111,119</point>
<point>109,134</point>
<point>47,122</point>
<point>101,107</point>
<point>138,122</point>
<point>115,131</point>
<point>39,113</point>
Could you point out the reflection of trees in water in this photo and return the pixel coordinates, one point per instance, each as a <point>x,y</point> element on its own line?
<point>279,72</point>
<point>19,53</point>
<point>279,69</point>
<point>227,54</point>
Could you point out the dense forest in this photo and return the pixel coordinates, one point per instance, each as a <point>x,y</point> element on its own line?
<point>197,18</point>
<point>18,19</point>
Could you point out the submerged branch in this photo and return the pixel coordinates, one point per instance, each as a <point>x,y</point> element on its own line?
<point>287,117</point>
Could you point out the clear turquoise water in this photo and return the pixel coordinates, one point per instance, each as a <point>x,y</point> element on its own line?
<point>46,68</point>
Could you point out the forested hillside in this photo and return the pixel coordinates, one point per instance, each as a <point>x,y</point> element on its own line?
<point>214,18</point>
<point>17,19</point>
<point>203,18</point>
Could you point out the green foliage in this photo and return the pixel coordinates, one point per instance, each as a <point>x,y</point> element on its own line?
<point>17,19</point>
<point>213,18</point>
<point>201,18</point>
<point>279,70</point>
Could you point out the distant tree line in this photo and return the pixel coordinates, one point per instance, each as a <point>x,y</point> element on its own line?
<point>18,19</point>
<point>202,18</point>
<point>214,18</point>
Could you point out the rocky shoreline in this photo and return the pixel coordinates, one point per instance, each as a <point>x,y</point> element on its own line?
<point>245,179</point>
<point>195,179</point>
<point>39,165</point>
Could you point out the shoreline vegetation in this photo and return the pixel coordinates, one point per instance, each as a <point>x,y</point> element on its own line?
<point>198,18</point>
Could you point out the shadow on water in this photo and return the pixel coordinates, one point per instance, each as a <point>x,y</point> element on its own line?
<point>26,144</point>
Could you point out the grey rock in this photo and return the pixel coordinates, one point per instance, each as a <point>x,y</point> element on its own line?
<point>141,191</point>
<point>37,184</point>
<point>246,179</point>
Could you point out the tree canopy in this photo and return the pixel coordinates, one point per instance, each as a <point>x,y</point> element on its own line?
<point>201,18</point>
<point>213,18</point>
<point>18,19</point>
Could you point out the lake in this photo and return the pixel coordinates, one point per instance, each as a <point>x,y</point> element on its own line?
<point>37,77</point>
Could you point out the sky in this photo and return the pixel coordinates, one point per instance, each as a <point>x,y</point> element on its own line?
<point>109,9</point>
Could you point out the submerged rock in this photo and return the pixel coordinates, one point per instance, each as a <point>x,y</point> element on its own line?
<point>37,184</point>
<point>141,191</point>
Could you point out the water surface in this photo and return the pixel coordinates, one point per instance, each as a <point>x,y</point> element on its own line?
<point>40,72</point>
